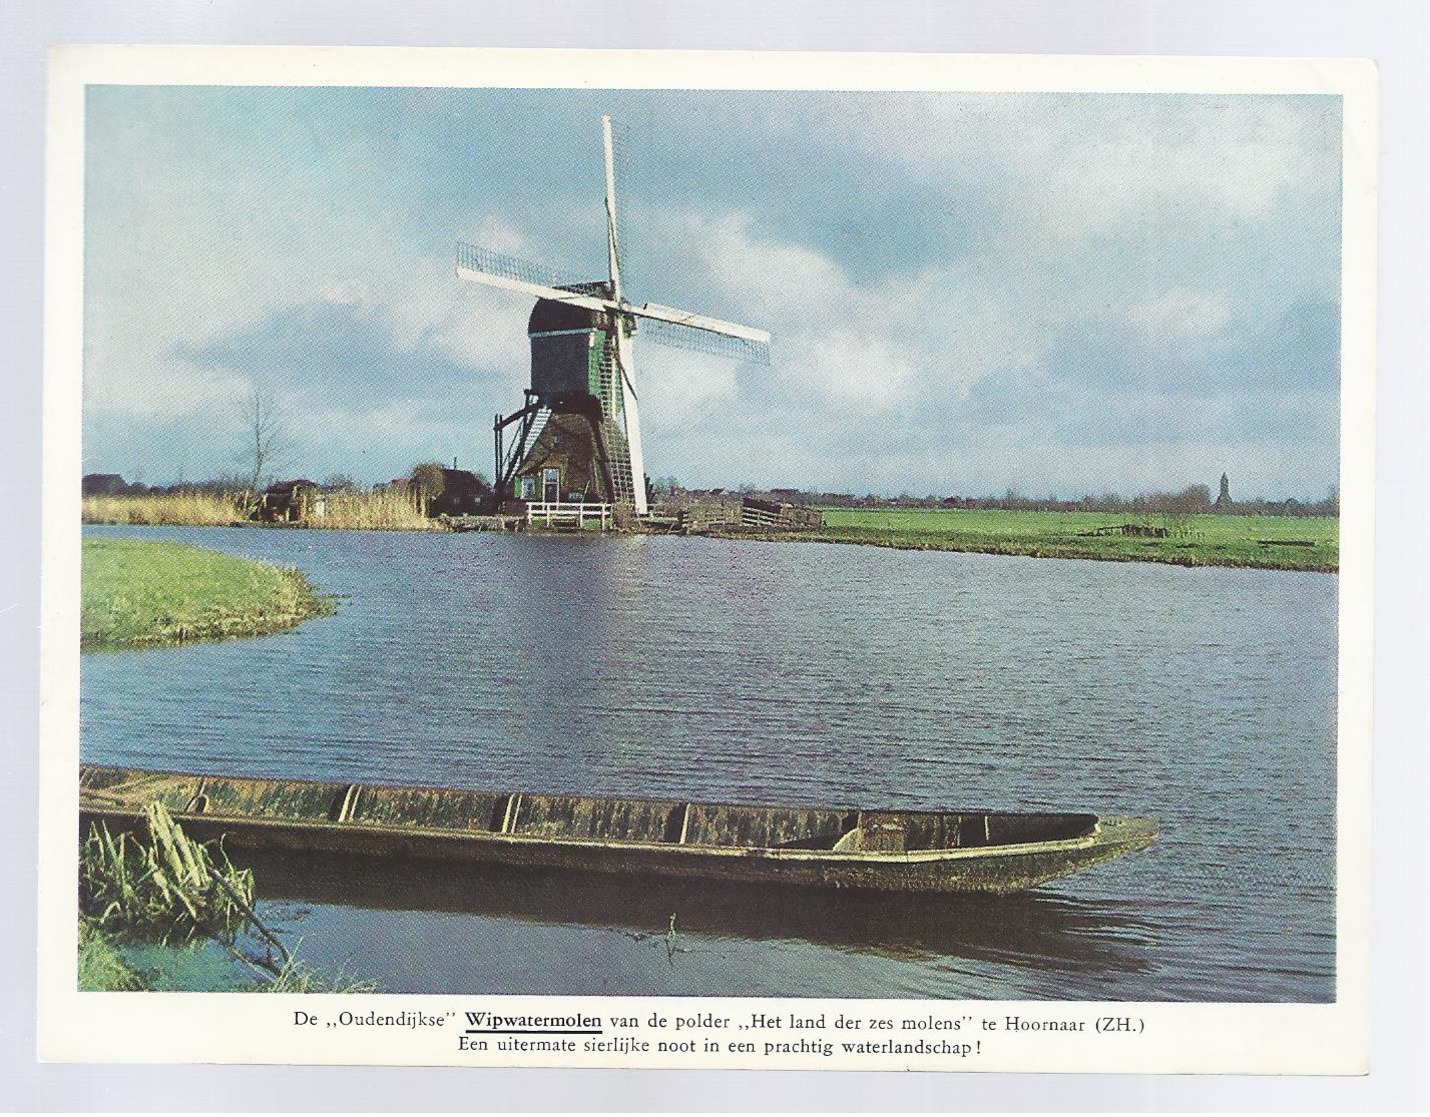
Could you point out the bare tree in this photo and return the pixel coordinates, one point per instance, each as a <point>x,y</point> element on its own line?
<point>264,435</point>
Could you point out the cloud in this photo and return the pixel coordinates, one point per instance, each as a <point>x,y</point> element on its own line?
<point>1077,166</point>
<point>1179,315</point>
<point>965,290</point>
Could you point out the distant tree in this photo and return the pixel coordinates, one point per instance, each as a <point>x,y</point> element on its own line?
<point>265,437</point>
<point>340,483</point>
<point>427,481</point>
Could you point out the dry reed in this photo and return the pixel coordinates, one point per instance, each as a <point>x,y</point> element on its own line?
<point>188,509</point>
<point>384,510</point>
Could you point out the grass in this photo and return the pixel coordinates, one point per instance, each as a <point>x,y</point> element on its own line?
<point>163,898</point>
<point>171,889</point>
<point>388,510</point>
<point>103,967</point>
<point>140,593</point>
<point>1274,542</point>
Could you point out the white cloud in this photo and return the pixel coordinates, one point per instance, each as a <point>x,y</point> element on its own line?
<point>1181,315</point>
<point>1129,221</point>
<point>680,390</point>
<point>1074,167</point>
<point>345,292</point>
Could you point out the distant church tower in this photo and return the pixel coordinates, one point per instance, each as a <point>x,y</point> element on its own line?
<point>1223,498</point>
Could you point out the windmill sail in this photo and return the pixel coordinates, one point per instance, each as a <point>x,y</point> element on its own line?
<point>732,348</point>
<point>496,269</point>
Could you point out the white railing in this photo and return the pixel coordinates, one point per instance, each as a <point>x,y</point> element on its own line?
<point>552,513</point>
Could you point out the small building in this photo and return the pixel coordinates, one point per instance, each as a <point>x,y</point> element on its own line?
<point>564,464</point>
<point>463,494</point>
<point>289,502</point>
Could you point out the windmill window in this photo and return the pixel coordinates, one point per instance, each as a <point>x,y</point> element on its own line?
<point>528,488</point>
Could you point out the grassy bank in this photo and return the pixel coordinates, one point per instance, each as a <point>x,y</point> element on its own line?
<point>1268,542</point>
<point>139,594</point>
<point>389,510</point>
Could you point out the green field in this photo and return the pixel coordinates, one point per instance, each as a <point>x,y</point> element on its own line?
<point>140,594</point>
<point>1276,542</point>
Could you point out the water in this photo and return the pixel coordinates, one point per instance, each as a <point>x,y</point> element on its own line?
<point>798,673</point>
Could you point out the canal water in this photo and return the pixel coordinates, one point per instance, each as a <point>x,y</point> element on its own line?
<point>800,673</point>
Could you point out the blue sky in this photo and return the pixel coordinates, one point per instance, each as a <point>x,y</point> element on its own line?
<point>967,292</point>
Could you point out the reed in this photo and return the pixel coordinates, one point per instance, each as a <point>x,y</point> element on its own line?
<point>186,509</point>
<point>384,510</point>
<point>170,889</point>
<point>178,892</point>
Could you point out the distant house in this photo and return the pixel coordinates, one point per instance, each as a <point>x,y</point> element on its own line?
<point>288,501</point>
<point>463,494</point>
<point>103,484</point>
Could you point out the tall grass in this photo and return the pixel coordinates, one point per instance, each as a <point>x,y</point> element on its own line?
<point>170,890</point>
<point>178,892</point>
<point>384,510</point>
<point>187,509</point>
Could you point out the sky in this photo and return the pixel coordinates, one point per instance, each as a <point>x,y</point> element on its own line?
<point>1058,294</point>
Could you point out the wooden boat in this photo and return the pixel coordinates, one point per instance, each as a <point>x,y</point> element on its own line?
<point>882,850</point>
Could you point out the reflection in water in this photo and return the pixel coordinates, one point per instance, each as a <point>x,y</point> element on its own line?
<point>1026,929</point>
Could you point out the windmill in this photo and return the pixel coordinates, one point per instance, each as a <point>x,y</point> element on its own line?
<point>578,430</point>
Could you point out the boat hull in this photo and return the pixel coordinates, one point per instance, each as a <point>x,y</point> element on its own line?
<point>118,798</point>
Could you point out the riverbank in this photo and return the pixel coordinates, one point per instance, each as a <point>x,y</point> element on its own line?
<point>146,594</point>
<point>1262,542</point>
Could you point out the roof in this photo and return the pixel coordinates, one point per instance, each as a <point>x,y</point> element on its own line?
<point>551,315</point>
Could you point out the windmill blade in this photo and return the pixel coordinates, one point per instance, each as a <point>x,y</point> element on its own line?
<point>703,341</point>
<point>630,407</point>
<point>613,248</point>
<point>497,269</point>
<point>699,322</point>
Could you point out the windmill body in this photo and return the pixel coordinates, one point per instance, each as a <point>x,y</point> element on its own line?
<point>576,439</point>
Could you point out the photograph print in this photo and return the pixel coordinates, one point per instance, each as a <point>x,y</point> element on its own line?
<point>710,542</point>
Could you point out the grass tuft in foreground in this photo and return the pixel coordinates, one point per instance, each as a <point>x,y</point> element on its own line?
<point>140,593</point>
<point>173,893</point>
<point>169,890</point>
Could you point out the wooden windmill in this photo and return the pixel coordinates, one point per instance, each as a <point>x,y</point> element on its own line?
<point>578,431</point>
